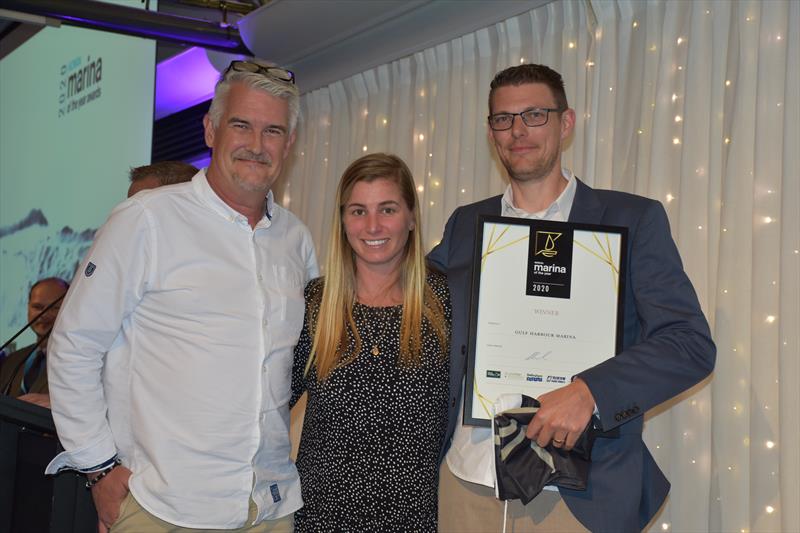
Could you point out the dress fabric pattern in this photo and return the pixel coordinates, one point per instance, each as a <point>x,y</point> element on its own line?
<point>373,431</point>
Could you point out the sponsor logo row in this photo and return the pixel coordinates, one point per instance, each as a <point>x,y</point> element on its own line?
<point>497,374</point>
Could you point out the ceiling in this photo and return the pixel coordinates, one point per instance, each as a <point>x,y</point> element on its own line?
<point>325,41</point>
<point>322,40</point>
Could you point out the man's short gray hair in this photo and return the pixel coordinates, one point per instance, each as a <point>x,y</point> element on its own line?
<point>281,89</point>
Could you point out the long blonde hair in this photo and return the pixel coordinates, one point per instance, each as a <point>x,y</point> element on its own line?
<point>333,328</point>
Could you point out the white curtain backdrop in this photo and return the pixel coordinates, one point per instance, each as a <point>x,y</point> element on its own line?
<point>695,104</point>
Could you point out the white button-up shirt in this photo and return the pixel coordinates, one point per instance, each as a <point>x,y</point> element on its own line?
<point>174,349</point>
<point>471,452</point>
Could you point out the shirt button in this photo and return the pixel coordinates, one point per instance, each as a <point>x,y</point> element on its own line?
<point>260,277</point>
<point>264,368</point>
<point>264,322</point>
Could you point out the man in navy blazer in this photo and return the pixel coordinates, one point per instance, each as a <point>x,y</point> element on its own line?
<point>667,344</point>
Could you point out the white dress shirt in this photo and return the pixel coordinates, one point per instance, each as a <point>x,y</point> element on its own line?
<point>174,349</point>
<point>471,453</point>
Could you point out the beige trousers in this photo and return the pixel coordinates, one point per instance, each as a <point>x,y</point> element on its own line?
<point>134,519</point>
<point>471,508</point>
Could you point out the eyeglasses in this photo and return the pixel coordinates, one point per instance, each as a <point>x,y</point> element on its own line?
<point>536,116</point>
<point>278,73</point>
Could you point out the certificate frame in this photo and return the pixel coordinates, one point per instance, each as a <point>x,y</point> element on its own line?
<point>549,288</point>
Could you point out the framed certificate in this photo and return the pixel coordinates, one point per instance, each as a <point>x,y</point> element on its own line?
<point>547,303</point>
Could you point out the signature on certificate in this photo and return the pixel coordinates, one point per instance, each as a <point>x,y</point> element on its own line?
<point>539,356</point>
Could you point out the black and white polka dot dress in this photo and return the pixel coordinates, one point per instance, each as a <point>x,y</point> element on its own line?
<point>369,454</point>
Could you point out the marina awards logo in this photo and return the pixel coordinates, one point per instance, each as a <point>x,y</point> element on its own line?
<point>546,243</point>
<point>549,260</point>
<point>80,83</point>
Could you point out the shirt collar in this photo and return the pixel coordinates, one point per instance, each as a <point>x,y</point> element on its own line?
<point>558,210</point>
<point>204,190</point>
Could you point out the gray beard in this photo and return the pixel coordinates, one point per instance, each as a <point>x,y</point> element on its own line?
<point>249,186</point>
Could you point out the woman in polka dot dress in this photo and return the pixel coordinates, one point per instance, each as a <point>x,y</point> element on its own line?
<point>373,358</point>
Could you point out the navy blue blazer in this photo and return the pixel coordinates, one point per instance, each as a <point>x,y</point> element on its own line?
<point>667,348</point>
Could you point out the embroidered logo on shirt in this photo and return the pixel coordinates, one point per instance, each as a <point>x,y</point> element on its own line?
<point>276,494</point>
<point>90,268</point>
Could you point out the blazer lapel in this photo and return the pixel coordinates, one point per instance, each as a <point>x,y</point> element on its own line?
<point>586,207</point>
<point>491,206</point>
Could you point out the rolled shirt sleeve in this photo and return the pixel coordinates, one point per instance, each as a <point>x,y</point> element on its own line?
<point>107,287</point>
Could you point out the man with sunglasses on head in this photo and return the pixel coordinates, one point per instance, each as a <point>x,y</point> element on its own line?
<point>170,363</point>
<point>667,345</point>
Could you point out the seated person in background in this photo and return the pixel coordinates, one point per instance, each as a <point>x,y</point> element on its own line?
<point>373,357</point>
<point>23,373</point>
<point>158,174</point>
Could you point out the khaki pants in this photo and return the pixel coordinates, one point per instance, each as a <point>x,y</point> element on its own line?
<point>471,508</point>
<point>134,519</point>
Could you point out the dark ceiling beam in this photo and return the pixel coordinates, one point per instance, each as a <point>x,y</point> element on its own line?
<point>231,6</point>
<point>137,22</point>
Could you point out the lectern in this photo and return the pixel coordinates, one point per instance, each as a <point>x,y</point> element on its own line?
<point>31,502</point>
